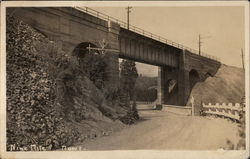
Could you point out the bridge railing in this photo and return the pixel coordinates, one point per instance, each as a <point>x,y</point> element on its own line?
<point>224,110</point>
<point>142,31</point>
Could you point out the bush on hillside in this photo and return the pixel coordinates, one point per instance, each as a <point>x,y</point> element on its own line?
<point>45,90</point>
<point>241,145</point>
<point>132,115</point>
<point>94,67</point>
<point>32,117</point>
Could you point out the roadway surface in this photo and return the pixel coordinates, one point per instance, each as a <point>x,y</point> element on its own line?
<point>163,130</point>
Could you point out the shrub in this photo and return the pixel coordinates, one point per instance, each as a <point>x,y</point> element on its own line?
<point>94,67</point>
<point>242,128</point>
<point>32,114</point>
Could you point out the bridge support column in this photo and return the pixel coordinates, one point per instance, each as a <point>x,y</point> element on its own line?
<point>112,57</point>
<point>160,86</point>
<point>181,91</point>
<point>177,97</point>
<point>183,81</point>
<point>183,87</point>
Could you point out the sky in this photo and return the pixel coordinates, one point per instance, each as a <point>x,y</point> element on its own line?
<point>221,28</point>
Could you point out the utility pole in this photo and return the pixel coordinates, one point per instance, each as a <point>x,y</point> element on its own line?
<point>128,11</point>
<point>199,44</point>
<point>242,56</point>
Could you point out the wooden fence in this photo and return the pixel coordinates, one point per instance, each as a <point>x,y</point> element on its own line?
<point>224,110</point>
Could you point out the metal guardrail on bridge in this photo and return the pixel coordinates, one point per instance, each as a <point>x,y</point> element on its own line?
<point>142,32</point>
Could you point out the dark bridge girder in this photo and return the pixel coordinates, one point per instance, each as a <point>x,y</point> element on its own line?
<point>146,50</point>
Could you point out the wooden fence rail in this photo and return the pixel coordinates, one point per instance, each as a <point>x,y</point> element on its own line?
<point>224,110</point>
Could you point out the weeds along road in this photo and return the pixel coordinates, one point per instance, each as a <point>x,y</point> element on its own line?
<point>163,130</point>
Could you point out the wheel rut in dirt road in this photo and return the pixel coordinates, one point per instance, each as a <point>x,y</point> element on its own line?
<point>167,131</point>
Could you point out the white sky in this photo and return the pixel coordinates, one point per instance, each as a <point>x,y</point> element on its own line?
<point>221,27</point>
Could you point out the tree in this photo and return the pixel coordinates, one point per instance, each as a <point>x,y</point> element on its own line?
<point>128,79</point>
<point>129,75</point>
<point>94,66</point>
<point>92,63</point>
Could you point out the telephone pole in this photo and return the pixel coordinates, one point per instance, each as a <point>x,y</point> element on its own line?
<point>199,45</point>
<point>242,57</point>
<point>128,11</point>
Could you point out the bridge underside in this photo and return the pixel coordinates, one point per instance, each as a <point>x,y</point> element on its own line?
<point>173,86</point>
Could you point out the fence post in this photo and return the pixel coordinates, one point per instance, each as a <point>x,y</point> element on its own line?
<point>192,103</point>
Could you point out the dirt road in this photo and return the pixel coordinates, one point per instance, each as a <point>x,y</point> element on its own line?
<point>162,130</point>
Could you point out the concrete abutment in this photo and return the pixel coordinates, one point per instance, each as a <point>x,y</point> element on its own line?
<point>191,69</point>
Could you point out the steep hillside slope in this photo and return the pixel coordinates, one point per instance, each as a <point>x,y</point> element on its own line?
<point>227,86</point>
<point>50,101</point>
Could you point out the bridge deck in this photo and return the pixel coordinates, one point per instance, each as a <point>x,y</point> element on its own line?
<point>144,32</point>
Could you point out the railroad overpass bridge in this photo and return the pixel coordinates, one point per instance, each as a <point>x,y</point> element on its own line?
<point>71,27</point>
